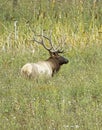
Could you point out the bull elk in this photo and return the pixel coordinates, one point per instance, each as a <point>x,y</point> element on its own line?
<point>47,67</point>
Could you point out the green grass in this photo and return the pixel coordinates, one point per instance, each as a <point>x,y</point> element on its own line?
<point>72,99</point>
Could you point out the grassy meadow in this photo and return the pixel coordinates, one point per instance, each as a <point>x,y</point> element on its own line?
<point>72,99</point>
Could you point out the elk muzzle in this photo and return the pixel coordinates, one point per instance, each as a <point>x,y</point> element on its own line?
<point>66,61</point>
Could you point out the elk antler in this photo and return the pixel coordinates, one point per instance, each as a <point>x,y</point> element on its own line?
<point>42,42</point>
<point>51,49</point>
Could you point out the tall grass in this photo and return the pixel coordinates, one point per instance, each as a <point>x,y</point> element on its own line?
<point>72,99</point>
<point>79,22</point>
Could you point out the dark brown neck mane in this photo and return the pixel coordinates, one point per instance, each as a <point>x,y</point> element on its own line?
<point>54,64</point>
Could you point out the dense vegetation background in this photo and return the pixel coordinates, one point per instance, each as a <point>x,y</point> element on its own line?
<point>70,100</point>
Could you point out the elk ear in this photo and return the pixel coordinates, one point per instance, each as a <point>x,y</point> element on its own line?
<point>52,54</point>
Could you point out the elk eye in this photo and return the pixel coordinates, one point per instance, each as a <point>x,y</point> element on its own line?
<point>54,54</point>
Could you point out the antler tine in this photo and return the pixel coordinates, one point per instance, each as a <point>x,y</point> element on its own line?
<point>63,42</point>
<point>49,39</point>
<point>58,49</point>
<point>42,42</point>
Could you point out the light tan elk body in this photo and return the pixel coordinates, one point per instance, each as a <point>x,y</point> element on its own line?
<point>48,67</point>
